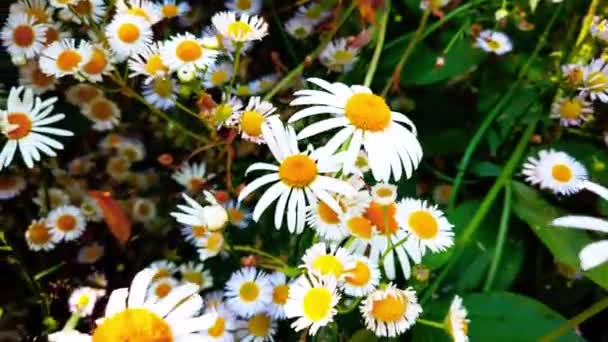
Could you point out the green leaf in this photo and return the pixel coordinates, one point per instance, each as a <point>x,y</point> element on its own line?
<point>485,169</point>
<point>363,335</point>
<point>503,316</point>
<point>563,243</point>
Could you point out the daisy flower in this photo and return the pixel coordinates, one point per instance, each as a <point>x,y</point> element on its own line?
<point>143,210</point>
<point>37,9</point>
<point>171,9</point>
<point>595,81</point>
<point>104,113</point>
<point>222,329</point>
<point>243,90</point>
<point>83,300</point>
<point>318,261</point>
<point>56,198</point>
<point>338,56</point>
<point>66,222</point>
<point>361,279</point>
<point>298,179</point>
<point>248,292</point>
<point>384,194</point>
<point>366,121</point>
<point>194,234</point>
<point>118,168</point>
<point>250,120</point>
<point>63,58</point>
<point>212,216</point>
<point>131,314</point>
<point>54,32</point>
<point>244,6</point>
<point>227,109</point>
<point>196,273</point>
<point>82,93</point>
<point>187,52</point>
<point>264,83</point>
<point>238,215</point>
<point>91,210</point>
<point>427,228</point>
<point>128,34</point>
<point>456,321</point>
<point>161,93</point>
<point>595,253</point>
<point>280,293</point>
<point>599,29</point>
<point>22,37</point>
<point>31,76</point>
<point>90,254</point>
<point>573,73</point>
<point>83,11</point>
<point>100,63</point>
<point>148,63</point>
<point>40,237</point>
<point>68,335</point>
<point>390,311</point>
<point>314,12</point>
<point>145,9</point>
<point>245,28</point>
<point>24,124</point>
<point>313,302</point>
<point>326,222</point>
<point>494,41</point>
<point>163,269</point>
<point>218,75</point>
<point>131,149</point>
<point>162,287</point>
<point>211,245</point>
<point>258,328</point>
<point>571,111</point>
<point>299,27</point>
<point>11,186</point>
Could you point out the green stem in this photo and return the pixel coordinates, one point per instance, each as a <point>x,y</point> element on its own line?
<point>285,81</point>
<point>500,240</point>
<point>72,322</point>
<point>235,67</point>
<point>351,307</point>
<point>431,323</point>
<point>576,320</point>
<point>250,249</point>
<point>185,109</point>
<point>485,206</point>
<point>487,121</point>
<point>369,76</point>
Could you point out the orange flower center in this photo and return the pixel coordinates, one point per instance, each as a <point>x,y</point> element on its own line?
<point>102,110</point>
<point>23,123</point>
<point>66,223</point>
<point>38,233</point>
<point>133,325</point>
<point>561,173</point>
<point>155,66</point>
<point>390,309</point>
<point>280,294</point>
<point>368,112</point>
<point>383,217</point>
<point>219,77</point>
<point>199,231</point>
<point>243,4</point>
<point>162,290</point>
<point>218,328</point>
<point>327,214</point>
<point>298,171</point>
<point>97,64</point>
<point>169,10</point>
<point>360,227</point>
<point>235,215</point>
<point>259,325</point>
<point>68,60</point>
<point>87,93</point>
<point>189,50</point>
<point>128,33</point>
<point>423,224</point>
<point>23,35</point>
<point>251,123</point>
<point>83,7</point>
<point>92,253</point>
<point>196,184</point>
<point>360,275</point>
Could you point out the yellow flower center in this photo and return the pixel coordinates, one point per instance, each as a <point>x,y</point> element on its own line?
<point>133,325</point>
<point>383,217</point>
<point>243,4</point>
<point>249,291</point>
<point>360,227</point>
<point>102,109</point>
<point>118,165</point>
<point>199,231</point>
<point>215,241</point>
<point>128,33</point>
<point>68,60</point>
<point>328,264</point>
<point>317,303</point>
<point>163,87</point>
<point>239,29</point>
<point>259,325</point>
<point>327,214</point>
<point>493,44</point>
<point>251,123</point>
<point>561,173</point>
<point>219,77</point>
<point>139,12</point>
<point>154,65</point>
<point>280,293</point>
<point>298,171</point>
<point>243,90</point>
<point>598,82</point>
<point>169,10</point>
<point>368,112</point>
<point>390,309</point>
<point>97,64</point>
<point>38,13</point>
<point>23,123</point>
<point>38,233</point>
<point>343,56</point>
<point>23,35</point>
<point>423,224</point>
<point>66,223</point>
<point>235,215</point>
<point>193,277</point>
<point>570,108</point>
<point>189,50</point>
<point>162,290</point>
<point>218,328</point>
<point>82,301</point>
<point>360,275</point>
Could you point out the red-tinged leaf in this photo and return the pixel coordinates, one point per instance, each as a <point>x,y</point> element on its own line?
<point>115,217</point>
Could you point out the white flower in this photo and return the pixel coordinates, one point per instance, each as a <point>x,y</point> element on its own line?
<point>56,198</point>
<point>23,123</point>
<point>63,58</point>
<point>314,12</point>
<point>218,75</point>
<point>91,209</point>
<point>82,93</point>
<point>595,253</point>
<point>101,62</point>
<point>213,216</point>
<point>22,36</point>
<point>338,56</point>
<point>599,29</point>
<point>595,80</point>
<point>244,6</point>
<point>258,328</point>
<point>145,9</point>
<point>67,222</point>
<point>280,293</point>
<point>298,180</point>
<point>143,210</point>
<point>245,28</point>
<point>366,121</point>
<point>264,83</point>
<point>250,120</point>
<point>238,215</point>
<point>171,9</point>
<point>81,10</point>
<point>384,194</point>
<point>83,299</point>
<point>31,76</point>
<point>556,171</point>
<point>11,186</point>
<point>194,234</point>
<point>187,52</point>
<point>161,93</point>
<point>40,237</point>
<point>148,63</point>
<point>313,302</point>
<point>196,273</point>
<point>128,34</point>
<point>389,312</point>
<point>248,292</point>
<point>456,321</point>
<point>361,279</point>
<point>571,111</point>
<point>299,27</point>
<point>494,41</point>
<point>162,269</point>
<point>320,262</point>
<point>224,325</point>
<point>162,287</point>
<point>433,4</point>
<point>69,336</point>
<point>90,254</point>
<point>211,245</point>
<point>573,73</point>
<point>104,113</point>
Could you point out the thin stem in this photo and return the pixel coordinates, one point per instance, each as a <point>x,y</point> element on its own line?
<point>369,76</point>
<point>250,249</point>
<point>487,121</point>
<point>500,240</point>
<point>576,320</point>
<point>485,206</point>
<point>235,67</point>
<point>313,55</point>
<point>185,109</point>
<point>431,323</point>
<point>72,322</point>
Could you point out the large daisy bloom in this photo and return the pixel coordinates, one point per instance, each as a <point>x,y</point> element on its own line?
<point>366,121</point>
<point>40,237</point>
<point>67,222</point>
<point>83,299</point>
<point>22,36</point>
<point>298,179</point>
<point>244,6</point>
<point>148,63</point>
<point>320,261</point>
<point>212,216</point>
<point>571,111</point>
<point>64,58</point>
<point>595,253</point>
<point>11,186</point>
<point>494,41</point>
<point>456,321</point>
<point>595,81</point>
<point>248,292</point>
<point>428,228</point>
<point>250,120</point>
<point>361,279</point>
<point>24,124</point>
<point>187,52</point>
<point>245,28</point>
<point>128,34</point>
<point>313,302</point>
<point>390,311</point>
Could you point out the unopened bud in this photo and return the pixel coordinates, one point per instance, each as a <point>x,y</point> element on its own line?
<point>186,75</point>
<point>501,14</point>
<point>421,273</point>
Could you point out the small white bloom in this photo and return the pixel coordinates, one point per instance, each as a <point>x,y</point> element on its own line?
<point>313,302</point>
<point>248,292</point>
<point>494,41</point>
<point>338,56</point>
<point>556,171</point>
<point>390,312</point>
<point>245,28</point>
<point>244,6</point>
<point>40,237</point>
<point>67,222</point>
<point>22,36</point>
<point>457,322</point>
<point>83,300</point>
<point>128,34</point>
<point>571,111</point>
